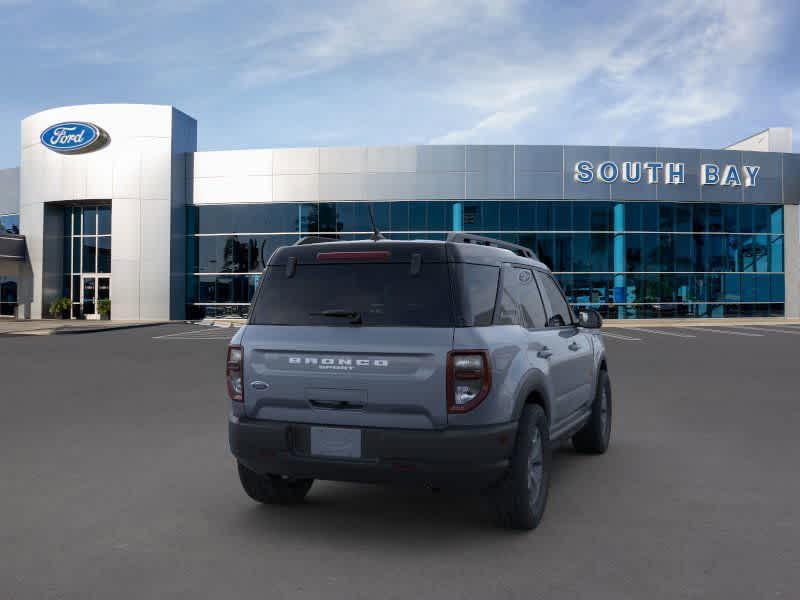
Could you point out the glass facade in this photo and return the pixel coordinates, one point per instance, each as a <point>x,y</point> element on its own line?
<point>9,224</point>
<point>87,257</point>
<point>627,259</point>
<point>8,296</point>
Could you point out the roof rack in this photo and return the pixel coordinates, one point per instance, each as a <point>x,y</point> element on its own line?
<point>467,238</point>
<point>315,239</point>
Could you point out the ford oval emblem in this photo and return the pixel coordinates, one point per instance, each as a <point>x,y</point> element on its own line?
<point>74,137</point>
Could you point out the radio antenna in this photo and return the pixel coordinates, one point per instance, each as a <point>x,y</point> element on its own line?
<point>376,233</point>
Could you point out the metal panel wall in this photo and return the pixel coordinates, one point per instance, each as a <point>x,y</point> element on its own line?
<point>135,171</point>
<point>474,172</point>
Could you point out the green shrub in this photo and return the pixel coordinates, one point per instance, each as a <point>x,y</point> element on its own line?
<point>59,306</point>
<point>104,307</point>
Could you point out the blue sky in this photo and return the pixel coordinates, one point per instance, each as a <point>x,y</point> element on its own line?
<point>267,74</point>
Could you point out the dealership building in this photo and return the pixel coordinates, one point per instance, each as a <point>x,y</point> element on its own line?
<point>112,202</point>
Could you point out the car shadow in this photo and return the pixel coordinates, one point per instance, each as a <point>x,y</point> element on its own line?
<point>358,514</point>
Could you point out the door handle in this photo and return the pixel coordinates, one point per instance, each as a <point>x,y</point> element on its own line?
<point>545,352</point>
<point>259,385</point>
<point>574,347</point>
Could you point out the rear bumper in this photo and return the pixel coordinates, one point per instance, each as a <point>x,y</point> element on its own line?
<point>474,456</point>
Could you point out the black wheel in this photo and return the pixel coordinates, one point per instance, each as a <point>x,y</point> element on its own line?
<point>594,437</point>
<point>273,489</point>
<point>520,499</point>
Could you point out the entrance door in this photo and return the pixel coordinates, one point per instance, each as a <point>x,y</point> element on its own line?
<point>89,294</point>
<point>93,290</point>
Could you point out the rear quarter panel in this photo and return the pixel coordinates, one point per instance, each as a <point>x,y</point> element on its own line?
<point>511,367</point>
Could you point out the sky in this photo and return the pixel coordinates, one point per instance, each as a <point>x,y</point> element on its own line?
<point>261,74</point>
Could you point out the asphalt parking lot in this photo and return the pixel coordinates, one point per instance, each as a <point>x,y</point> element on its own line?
<point>117,483</point>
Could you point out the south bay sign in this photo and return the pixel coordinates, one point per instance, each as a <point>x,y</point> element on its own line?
<point>665,172</point>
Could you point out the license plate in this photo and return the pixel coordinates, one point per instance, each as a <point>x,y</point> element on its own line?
<point>336,442</point>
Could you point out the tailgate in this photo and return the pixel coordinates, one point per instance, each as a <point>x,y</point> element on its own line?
<point>354,376</point>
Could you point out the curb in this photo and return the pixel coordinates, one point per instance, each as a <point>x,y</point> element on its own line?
<point>82,330</point>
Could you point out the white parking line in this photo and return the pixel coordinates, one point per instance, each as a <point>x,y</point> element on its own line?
<point>770,329</point>
<point>197,334</point>
<point>659,332</point>
<point>616,336</point>
<point>725,331</point>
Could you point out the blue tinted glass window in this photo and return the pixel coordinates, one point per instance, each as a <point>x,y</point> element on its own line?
<point>89,221</point>
<point>562,215</point>
<point>776,219</point>
<point>563,252</point>
<point>762,288</point>
<point>700,218</point>
<point>650,257</point>
<point>581,252</point>
<point>777,290</point>
<point>545,220</point>
<point>731,288</point>
<point>649,216</point>
<point>104,220</point>
<point>761,219</point>
<point>327,218</point>
<point>581,216</point>
<point>509,215</point>
<point>440,216</point>
<point>491,215</point>
<point>715,217</point>
<point>683,217</point>
<point>776,254</point>
<point>399,216</point>
<point>682,247</point>
<point>633,252</point>
<point>633,216</point>
<point>746,218</point>
<point>9,224</point>
<point>730,217</point>
<point>104,254</point>
<point>526,216</point>
<point>417,216</point>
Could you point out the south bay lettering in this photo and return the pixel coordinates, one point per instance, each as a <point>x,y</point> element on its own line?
<point>665,172</point>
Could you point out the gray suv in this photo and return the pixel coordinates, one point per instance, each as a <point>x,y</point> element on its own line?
<point>454,362</point>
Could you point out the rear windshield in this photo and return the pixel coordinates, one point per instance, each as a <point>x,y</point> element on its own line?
<point>379,294</point>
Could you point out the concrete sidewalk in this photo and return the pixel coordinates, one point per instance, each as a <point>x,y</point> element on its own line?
<point>65,326</point>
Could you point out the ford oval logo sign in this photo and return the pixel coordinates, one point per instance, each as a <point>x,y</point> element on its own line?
<point>74,137</point>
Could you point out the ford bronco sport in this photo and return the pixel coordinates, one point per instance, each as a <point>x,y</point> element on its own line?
<point>443,362</point>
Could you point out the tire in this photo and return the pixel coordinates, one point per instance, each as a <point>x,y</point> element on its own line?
<point>595,436</point>
<point>520,499</point>
<point>273,489</point>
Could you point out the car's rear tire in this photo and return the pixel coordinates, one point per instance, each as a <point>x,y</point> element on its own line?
<point>520,499</point>
<point>595,436</point>
<point>273,489</point>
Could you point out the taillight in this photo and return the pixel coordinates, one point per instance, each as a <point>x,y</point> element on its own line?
<point>233,374</point>
<point>469,378</point>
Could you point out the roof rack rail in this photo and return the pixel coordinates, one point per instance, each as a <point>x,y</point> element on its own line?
<point>315,239</point>
<point>460,237</point>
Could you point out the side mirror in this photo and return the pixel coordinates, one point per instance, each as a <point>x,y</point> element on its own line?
<point>589,318</point>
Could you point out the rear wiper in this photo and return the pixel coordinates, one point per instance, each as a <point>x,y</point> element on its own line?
<point>354,316</point>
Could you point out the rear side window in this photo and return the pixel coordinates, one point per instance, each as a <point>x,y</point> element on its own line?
<point>560,313</point>
<point>520,302</point>
<point>381,294</point>
<point>477,285</point>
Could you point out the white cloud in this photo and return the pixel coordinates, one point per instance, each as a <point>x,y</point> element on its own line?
<point>676,65</point>
<point>334,35</point>
<point>501,121</point>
